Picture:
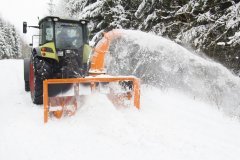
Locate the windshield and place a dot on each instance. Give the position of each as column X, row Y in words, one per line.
column 68, row 36
column 46, row 29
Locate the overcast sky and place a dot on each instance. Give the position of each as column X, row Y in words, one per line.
column 17, row 11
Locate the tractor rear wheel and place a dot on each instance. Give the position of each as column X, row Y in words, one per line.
column 40, row 70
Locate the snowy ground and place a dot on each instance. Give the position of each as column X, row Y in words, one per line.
column 169, row 125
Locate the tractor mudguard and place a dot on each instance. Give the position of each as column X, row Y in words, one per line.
column 26, row 69
column 46, row 51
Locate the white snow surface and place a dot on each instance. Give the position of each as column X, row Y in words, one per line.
column 170, row 125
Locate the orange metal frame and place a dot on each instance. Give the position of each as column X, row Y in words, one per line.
column 136, row 87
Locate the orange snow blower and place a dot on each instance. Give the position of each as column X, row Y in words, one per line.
column 57, row 74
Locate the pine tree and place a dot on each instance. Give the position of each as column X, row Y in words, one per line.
column 3, row 51
column 10, row 45
column 104, row 15
column 51, row 7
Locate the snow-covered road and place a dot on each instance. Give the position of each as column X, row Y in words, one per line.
column 170, row 125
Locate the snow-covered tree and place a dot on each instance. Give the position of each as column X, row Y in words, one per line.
column 3, row 49
column 104, row 15
column 205, row 25
column 51, row 7
column 10, row 45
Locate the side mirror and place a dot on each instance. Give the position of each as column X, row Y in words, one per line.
column 24, row 27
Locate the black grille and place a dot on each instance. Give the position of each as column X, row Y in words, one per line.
column 71, row 64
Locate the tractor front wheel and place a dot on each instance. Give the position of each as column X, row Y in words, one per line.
column 40, row 70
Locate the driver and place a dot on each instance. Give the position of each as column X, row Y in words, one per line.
column 63, row 39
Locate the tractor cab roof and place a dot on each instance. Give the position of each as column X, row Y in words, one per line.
column 56, row 19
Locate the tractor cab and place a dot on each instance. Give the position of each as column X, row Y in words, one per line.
column 65, row 43
column 66, row 34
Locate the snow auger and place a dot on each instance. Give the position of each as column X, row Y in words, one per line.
column 61, row 69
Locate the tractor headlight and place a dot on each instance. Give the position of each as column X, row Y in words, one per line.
column 60, row 53
column 68, row 51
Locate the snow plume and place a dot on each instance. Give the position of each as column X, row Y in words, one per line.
column 164, row 64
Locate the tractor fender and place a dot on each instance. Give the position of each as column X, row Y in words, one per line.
column 52, row 55
column 26, row 69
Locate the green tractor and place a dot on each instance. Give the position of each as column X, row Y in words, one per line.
column 62, row 52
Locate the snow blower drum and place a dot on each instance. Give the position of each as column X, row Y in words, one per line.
column 66, row 103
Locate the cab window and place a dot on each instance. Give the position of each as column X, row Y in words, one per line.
column 47, row 32
column 68, row 35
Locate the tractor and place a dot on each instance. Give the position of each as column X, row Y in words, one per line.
column 63, row 61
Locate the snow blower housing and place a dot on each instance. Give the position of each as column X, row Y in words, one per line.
column 60, row 68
